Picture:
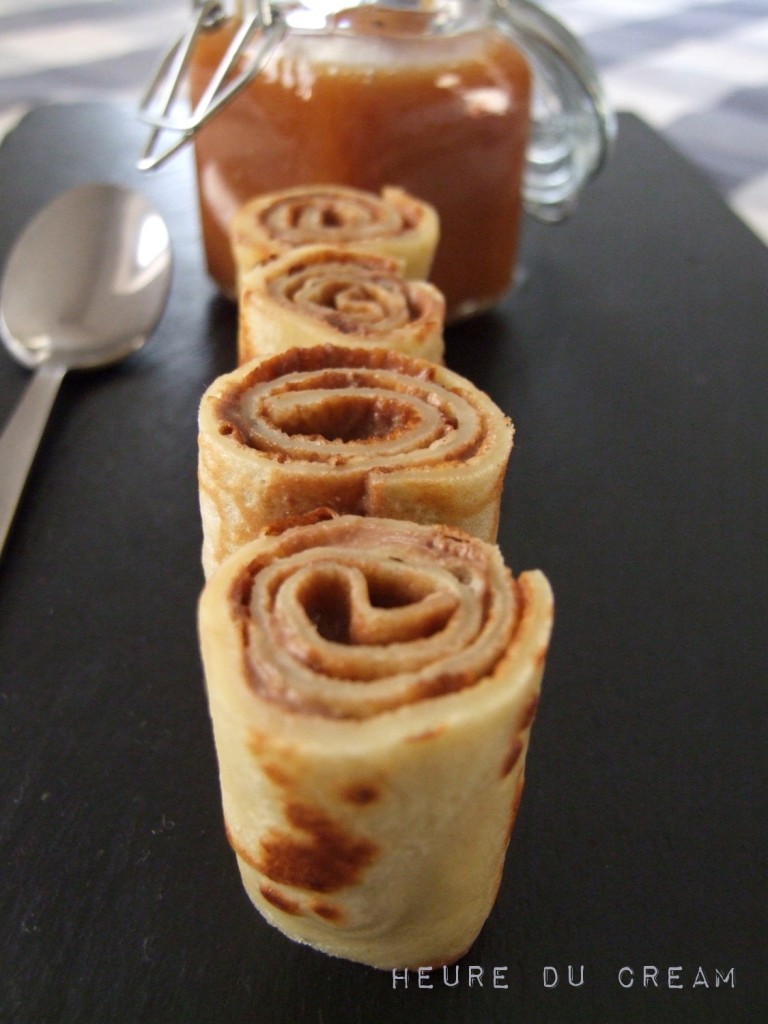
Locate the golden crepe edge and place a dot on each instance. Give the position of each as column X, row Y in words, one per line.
column 406, row 814
column 414, row 245
column 241, row 490
column 269, row 323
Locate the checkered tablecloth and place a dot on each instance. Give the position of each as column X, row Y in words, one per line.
column 697, row 70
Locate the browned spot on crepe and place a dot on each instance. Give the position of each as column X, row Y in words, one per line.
column 318, row 515
column 428, row 734
column 360, row 793
column 327, row 858
column 259, row 745
column 277, row 774
column 277, row 899
column 513, row 756
column 242, row 852
column 328, row 912
column 515, row 805
column 529, row 714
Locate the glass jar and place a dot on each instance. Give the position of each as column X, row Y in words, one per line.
column 480, row 107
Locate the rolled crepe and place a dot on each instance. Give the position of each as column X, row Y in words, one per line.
column 362, row 431
column 321, row 294
column 393, row 224
column 372, row 685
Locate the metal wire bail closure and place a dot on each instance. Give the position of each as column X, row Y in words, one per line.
column 165, row 90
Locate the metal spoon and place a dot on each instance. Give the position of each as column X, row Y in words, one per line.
column 84, row 286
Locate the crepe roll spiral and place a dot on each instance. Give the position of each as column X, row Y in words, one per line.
column 372, row 685
column 321, row 294
column 392, row 223
column 360, row 431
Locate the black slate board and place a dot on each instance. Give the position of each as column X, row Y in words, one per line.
column 634, row 361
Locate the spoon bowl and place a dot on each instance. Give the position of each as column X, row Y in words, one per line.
column 84, row 286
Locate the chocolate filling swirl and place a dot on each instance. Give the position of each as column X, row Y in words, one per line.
column 350, row 617
column 360, row 431
column 352, row 293
column 391, row 224
column 348, row 414
column 335, row 216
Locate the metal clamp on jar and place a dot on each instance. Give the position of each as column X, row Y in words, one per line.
column 480, row 107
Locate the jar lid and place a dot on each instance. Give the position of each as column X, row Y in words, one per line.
column 169, row 130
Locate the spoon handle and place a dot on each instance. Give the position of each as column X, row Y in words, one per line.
column 21, row 437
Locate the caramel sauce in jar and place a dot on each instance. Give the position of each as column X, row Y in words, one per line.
column 382, row 101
